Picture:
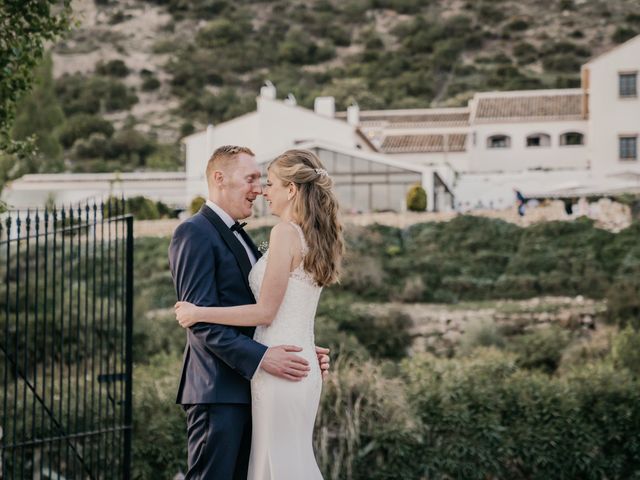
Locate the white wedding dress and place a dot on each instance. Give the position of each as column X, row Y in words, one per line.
column 284, row 412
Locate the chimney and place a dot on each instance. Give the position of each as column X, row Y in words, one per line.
column 353, row 115
column 325, row 106
column 209, row 139
column 290, row 100
column 268, row 91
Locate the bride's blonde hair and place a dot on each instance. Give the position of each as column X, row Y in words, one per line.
column 315, row 208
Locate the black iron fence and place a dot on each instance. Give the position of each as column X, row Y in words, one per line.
column 65, row 353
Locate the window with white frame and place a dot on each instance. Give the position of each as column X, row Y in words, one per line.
column 628, row 147
column 499, row 141
column 628, row 84
column 571, row 138
column 538, row 140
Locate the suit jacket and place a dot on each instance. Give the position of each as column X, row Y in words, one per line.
column 210, row 267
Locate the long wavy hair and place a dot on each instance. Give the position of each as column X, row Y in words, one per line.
column 315, row 208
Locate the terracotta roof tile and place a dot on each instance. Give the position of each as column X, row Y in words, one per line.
column 411, row 119
column 560, row 107
column 430, row 143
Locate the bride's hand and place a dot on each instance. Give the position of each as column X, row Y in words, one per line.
column 186, row 313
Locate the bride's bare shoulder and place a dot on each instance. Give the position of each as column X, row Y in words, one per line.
column 283, row 232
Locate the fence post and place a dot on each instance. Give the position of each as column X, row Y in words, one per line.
column 128, row 409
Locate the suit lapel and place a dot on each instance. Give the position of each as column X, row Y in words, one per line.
column 231, row 240
column 245, row 236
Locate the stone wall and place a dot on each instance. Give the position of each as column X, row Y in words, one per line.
column 439, row 328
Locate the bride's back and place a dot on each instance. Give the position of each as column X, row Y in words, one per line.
column 294, row 322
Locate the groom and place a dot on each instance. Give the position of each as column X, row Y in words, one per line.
column 210, row 256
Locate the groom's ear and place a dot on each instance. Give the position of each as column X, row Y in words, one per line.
column 218, row 177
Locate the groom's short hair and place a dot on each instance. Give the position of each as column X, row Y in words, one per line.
column 224, row 157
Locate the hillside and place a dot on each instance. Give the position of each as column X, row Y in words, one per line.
column 158, row 69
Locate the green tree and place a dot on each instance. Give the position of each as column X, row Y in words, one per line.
column 25, row 27
column 38, row 114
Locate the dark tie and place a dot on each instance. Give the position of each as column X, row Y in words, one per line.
column 238, row 227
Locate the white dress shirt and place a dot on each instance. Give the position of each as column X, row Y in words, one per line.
column 226, row 218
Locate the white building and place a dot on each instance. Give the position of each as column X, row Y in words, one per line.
column 545, row 143
column 610, row 83
column 38, row 190
column 365, row 179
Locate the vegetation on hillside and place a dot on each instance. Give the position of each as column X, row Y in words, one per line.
column 547, row 403
column 211, row 57
column 544, row 402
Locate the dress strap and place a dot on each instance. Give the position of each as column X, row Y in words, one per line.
column 303, row 242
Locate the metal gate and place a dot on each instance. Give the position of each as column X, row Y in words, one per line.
column 65, row 350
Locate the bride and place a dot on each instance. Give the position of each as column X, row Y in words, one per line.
column 305, row 250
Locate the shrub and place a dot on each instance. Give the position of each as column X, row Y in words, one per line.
column 142, row 208
column 625, row 349
column 364, row 275
column 150, row 83
column 518, row 25
column 364, row 428
column 82, row 126
column 223, row 31
column 299, row 49
column 113, row 68
column 416, row 199
column 481, row 334
column 561, row 63
column 525, row 53
column 80, row 94
column 117, row 96
column 489, row 13
column 623, row 301
column 567, row 5
column 413, row 290
column 165, row 157
column 482, row 417
column 131, row 146
column 187, row 128
column 196, row 204
column 96, row 146
column 383, row 335
column 541, row 349
column 633, row 18
column 622, row 34
column 159, row 443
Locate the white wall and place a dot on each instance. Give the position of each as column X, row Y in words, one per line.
column 274, row 127
column 33, row 191
column 199, row 147
column 458, row 160
column 518, row 156
column 281, row 126
column 610, row 115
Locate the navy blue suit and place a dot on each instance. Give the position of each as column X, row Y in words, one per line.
column 210, row 267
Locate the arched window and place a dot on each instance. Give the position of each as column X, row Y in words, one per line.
column 571, row 138
column 538, row 140
column 499, row 141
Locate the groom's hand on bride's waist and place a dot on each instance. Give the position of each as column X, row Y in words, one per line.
column 281, row 362
column 323, row 360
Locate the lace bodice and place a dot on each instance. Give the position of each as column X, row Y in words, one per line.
column 294, row 321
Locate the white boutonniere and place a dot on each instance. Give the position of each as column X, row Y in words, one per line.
column 263, row 247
